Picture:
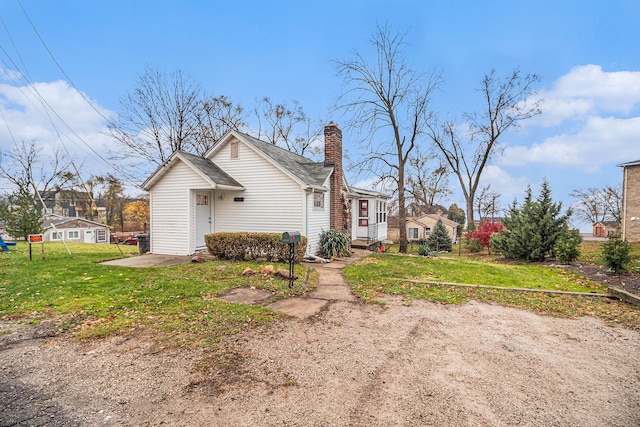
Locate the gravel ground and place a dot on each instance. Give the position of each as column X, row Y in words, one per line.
column 352, row 365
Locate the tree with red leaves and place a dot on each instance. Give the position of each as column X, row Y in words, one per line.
column 483, row 234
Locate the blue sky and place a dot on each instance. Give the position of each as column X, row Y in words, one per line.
column 587, row 53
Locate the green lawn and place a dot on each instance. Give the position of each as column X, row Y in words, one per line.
column 591, row 252
column 377, row 276
column 91, row 299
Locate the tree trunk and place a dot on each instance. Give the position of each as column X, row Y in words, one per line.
column 470, row 219
column 402, row 212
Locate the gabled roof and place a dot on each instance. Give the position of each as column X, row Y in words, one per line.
column 361, row 193
column 52, row 219
column 208, row 170
column 306, row 171
column 609, row 224
column 634, row 163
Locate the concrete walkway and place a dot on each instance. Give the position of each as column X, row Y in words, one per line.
column 331, row 287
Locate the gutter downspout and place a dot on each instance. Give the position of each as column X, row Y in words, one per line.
column 624, row 202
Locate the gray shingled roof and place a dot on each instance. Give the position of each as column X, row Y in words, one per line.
column 210, row 169
column 306, row 170
column 52, row 219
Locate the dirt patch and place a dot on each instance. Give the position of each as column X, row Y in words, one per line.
column 629, row 281
column 409, row 364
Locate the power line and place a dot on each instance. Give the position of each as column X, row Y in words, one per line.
column 29, row 82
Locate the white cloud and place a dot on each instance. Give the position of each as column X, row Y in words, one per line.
column 588, row 90
column 27, row 119
column 501, row 182
column 9, row 75
column 600, row 141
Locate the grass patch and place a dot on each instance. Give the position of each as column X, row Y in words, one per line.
column 376, row 276
column 94, row 300
column 591, row 253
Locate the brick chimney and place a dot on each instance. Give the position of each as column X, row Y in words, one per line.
column 333, row 157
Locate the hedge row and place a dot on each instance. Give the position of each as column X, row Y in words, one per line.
column 252, row 246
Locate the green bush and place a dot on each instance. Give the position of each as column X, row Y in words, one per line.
column 333, row 244
column 424, row 250
column 616, row 254
column 567, row 247
column 473, row 245
column 242, row 246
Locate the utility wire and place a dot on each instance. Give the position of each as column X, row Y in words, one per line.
column 33, row 184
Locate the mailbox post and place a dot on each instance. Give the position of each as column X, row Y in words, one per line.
column 291, row 238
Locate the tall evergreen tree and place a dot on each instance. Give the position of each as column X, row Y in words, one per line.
column 20, row 214
column 439, row 239
column 533, row 230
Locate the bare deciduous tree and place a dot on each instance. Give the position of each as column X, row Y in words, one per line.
column 508, row 101
column 599, row 204
column 388, row 101
column 287, row 126
column 158, row 117
column 215, row 116
column 427, row 181
column 21, row 166
column 487, row 203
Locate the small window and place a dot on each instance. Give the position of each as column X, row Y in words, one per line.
column 234, row 149
column 65, row 212
column 413, row 233
column 318, row 200
column 56, row 235
column 202, row 200
column 102, row 235
column 73, row 234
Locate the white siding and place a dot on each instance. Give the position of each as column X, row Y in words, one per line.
column 318, row 220
column 172, row 218
column 272, row 200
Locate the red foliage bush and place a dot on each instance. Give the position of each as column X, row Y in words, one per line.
column 484, row 232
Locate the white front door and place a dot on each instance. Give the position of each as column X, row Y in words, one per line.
column 88, row 236
column 203, row 216
column 363, row 219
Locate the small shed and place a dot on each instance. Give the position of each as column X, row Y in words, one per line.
column 606, row 228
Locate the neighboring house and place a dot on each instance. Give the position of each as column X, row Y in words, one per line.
column 605, row 228
column 393, row 228
column 245, row 184
column 631, row 201
column 68, row 203
column 57, row 228
column 419, row 228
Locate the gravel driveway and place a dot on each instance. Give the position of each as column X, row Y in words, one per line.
column 353, row 364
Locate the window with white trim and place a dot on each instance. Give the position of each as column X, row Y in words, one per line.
column 318, row 200
column 102, row 235
column 56, row 235
column 413, row 233
column 73, row 234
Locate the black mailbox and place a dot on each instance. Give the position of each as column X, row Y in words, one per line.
column 291, row 237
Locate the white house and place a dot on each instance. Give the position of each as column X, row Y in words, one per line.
column 245, row 184
column 57, row 228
